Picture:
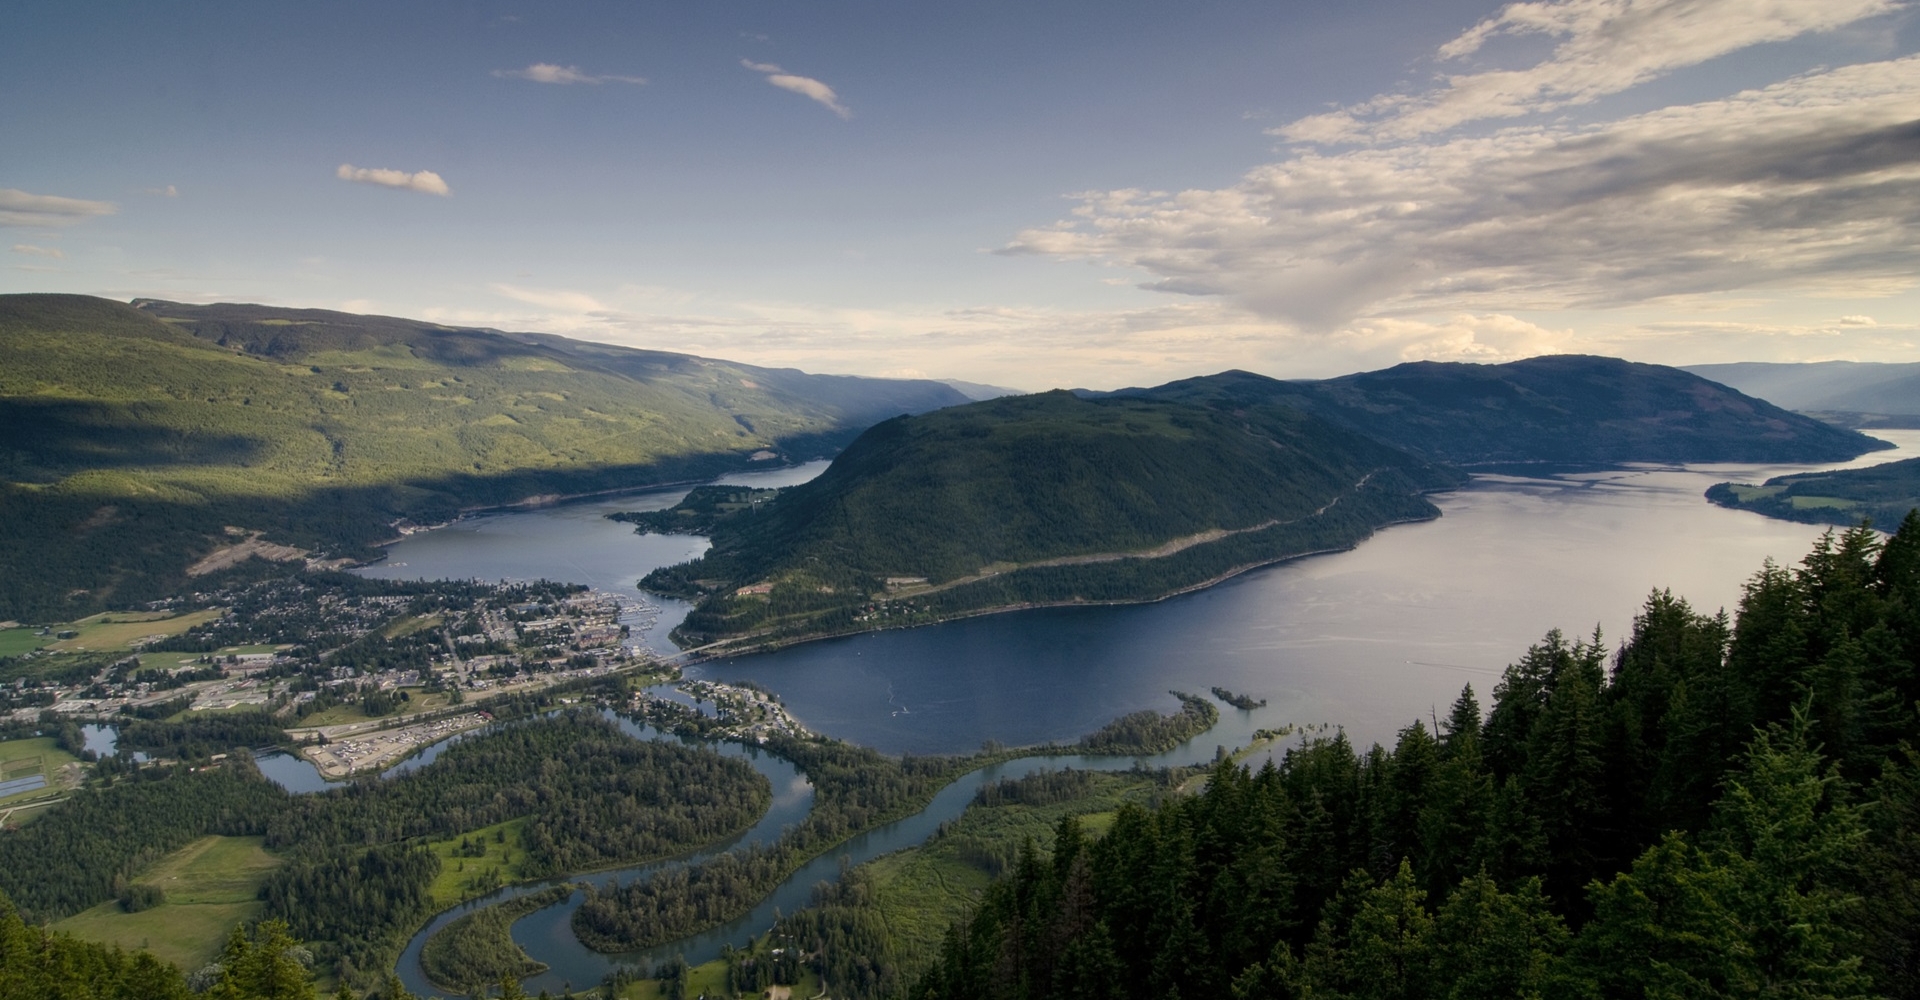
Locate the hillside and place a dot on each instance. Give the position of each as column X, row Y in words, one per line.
column 1564, row 408
column 1039, row 499
column 1883, row 493
column 1857, row 394
column 132, row 438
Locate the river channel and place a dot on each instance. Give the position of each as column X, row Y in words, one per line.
column 1367, row 640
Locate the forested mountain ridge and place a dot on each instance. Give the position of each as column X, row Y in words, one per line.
column 131, row 437
column 1039, row 499
column 1556, row 408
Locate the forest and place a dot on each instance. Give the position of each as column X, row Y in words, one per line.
column 1726, row 806
column 1033, row 499
column 359, row 877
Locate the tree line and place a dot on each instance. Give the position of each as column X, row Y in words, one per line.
column 1725, row 807
column 359, row 878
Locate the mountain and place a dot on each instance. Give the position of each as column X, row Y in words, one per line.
column 977, row 391
column 1038, row 499
column 1882, row 493
column 136, row 439
column 1828, row 387
column 1561, row 408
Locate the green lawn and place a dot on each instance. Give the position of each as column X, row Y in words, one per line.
column 463, row 878
column 210, row 885
column 337, row 715
column 14, row 641
column 1809, row 503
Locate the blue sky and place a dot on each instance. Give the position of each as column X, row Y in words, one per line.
column 1095, row 194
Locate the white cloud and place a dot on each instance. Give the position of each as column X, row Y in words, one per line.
column 166, row 192
column 34, row 251
column 557, row 299
column 803, row 85
column 18, row 208
column 551, row 73
column 1857, row 321
column 425, row 181
column 1810, row 185
column 1605, row 47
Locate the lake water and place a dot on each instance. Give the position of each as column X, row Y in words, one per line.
column 1368, row 639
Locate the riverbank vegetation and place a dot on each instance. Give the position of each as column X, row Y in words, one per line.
column 1243, row 702
column 876, row 929
column 1149, row 732
column 475, row 951
column 360, row 874
column 1727, row 807
column 1882, row 494
column 856, row 789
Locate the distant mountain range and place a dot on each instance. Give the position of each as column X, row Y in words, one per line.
column 1559, row 408
column 1133, row 495
column 132, row 437
column 1828, row 387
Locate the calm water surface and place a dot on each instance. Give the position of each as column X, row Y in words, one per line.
column 1368, row 639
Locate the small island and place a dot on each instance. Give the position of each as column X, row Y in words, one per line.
column 1245, row 703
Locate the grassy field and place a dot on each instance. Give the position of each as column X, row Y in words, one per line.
column 408, row 626
column 711, row 980
column 210, row 886
column 459, row 876
column 28, row 757
column 14, row 641
column 118, row 630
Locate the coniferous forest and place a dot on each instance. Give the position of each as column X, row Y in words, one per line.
column 1721, row 808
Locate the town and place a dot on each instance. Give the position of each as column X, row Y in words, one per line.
column 326, row 655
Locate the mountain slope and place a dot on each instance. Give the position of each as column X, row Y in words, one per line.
column 1564, row 408
column 1827, row 386
column 1041, row 499
column 131, row 438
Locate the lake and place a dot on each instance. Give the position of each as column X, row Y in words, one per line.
column 1368, row 639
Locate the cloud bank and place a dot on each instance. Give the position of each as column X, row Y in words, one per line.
column 803, row 85
column 34, row 251
column 1605, row 47
column 1811, row 185
column 424, row 181
column 19, row 208
column 551, row 73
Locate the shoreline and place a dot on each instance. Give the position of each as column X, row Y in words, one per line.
column 696, row 654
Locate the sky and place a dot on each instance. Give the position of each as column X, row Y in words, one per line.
column 1073, row 193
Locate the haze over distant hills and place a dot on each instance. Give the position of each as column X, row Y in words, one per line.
column 132, row 437
column 1825, row 386
column 1558, row 408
